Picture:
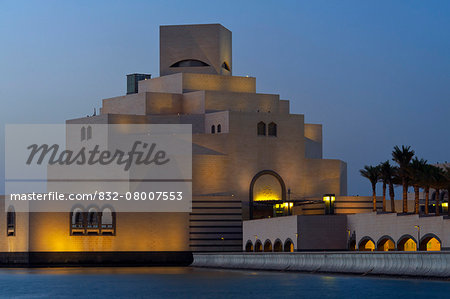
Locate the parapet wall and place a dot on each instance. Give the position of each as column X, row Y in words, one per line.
column 422, row 264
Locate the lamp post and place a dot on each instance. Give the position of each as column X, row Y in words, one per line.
column 418, row 237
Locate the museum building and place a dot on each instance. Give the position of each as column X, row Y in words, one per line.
column 252, row 159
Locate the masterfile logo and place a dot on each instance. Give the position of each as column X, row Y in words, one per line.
column 135, row 168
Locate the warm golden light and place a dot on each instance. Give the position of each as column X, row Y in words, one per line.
column 370, row 246
column 433, row 245
column 410, row 245
column 267, row 188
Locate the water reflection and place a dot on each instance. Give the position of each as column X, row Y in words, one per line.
column 185, row 282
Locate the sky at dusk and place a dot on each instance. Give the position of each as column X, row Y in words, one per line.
column 374, row 73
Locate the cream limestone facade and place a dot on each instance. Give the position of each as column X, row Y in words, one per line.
column 241, row 139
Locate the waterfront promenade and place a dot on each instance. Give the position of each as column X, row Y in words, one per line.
column 419, row 264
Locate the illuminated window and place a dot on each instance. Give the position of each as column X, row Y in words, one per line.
column 272, row 129
column 366, row 245
column 407, row 244
column 261, row 129
column 433, row 245
column 386, row 244
column 213, row 129
column 430, row 243
column 11, row 222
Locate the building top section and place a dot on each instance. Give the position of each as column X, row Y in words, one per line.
column 202, row 49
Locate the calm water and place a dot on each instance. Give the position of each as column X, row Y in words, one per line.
column 203, row 283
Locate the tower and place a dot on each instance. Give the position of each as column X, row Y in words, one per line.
column 195, row 49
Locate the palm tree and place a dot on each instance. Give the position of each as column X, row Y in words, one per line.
column 387, row 172
column 439, row 182
column 416, row 173
column 425, row 182
column 403, row 158
column 372, row 173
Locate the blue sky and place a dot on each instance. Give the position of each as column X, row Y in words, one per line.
column 374, row 73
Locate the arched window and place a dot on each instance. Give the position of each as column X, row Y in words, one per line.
column 77, row 222
column 83, row 133
column 261, row 129
column 189, row 63
column 249, row 246
column 278, row 246
column 11, row 222
column 258, row 246
column 89, row 132
column 288, row 246
column 272, row 129
column 213, row 129
column 267, row 246
column 108, row 222
column 407, row 243
column 385, row 243
column 430, row 242
column 366, row 244
column 92, row 218
column 219, row 128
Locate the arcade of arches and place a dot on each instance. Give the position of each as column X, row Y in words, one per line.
column 429, row 242
column 278, row 246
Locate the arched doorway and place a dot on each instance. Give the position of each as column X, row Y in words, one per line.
column 288, row 246
column 258, row 246
column 386, row 243
column 267, row 246
column 430, row 242
column 407, row 243
column 366, row 244
column 278, row 246
column 266, row 189
column 249, row 246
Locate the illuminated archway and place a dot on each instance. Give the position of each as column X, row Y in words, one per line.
column 385, row 243
column 430, row 242
column 249, row 246
column 266, row 186
column 277, row 246
column 366, row 244
column 288, row 246
column 267, row 246
column 407, row 243
column 258, row 246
